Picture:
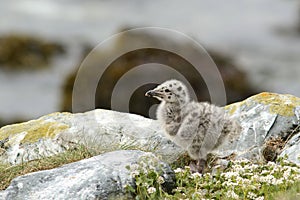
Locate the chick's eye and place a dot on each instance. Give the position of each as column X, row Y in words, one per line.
column 167, row 90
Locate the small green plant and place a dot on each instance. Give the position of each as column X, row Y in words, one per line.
column 147, row 174
column 241, row 180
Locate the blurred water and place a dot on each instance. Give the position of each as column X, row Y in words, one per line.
column 247, row 30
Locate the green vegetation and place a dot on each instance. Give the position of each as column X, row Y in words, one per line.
column 241, row 180
column 290, row 194
column 8, row 172
column 148, row 179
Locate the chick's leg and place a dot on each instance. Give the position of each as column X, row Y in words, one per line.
column 201, row 165
column 198, row 167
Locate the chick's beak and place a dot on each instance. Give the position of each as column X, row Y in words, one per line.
column 151, row 93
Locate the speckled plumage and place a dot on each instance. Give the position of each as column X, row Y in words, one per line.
column 197, row 127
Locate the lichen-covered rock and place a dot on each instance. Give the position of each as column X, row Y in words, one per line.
column 102, row 130
column 99, row 177
column 30, row 140
column 270, row 122
column 267, row 119
column 292, row 148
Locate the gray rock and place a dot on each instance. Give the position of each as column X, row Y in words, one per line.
column 100, row 130
column 263, row 117
column 292, row 149
column 99, row 177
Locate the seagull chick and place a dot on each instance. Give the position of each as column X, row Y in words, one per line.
column 197, row 127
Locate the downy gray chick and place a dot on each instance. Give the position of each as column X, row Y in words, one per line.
column 197, row 127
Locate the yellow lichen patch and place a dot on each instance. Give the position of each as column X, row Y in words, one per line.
column 232, row 108
column 279, row 104
column 35, row 130
column 48, row 130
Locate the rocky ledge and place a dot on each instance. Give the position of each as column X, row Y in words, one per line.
column 100, row 177
column 271, row 129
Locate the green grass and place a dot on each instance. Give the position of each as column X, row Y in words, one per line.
column 9, row 172
column 292, row 193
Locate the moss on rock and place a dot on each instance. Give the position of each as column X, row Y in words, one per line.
column 31, row 131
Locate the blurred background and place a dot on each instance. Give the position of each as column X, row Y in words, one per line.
column 255, row 44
